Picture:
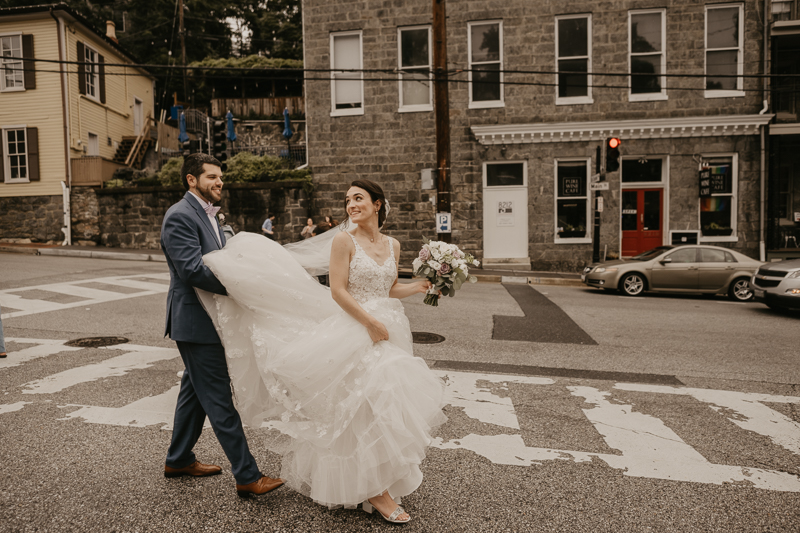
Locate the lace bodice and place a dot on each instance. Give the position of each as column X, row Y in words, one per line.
column 367, row 279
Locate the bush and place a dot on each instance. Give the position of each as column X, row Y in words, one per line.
column 170, row 173
column 130, row 177
column 247, row 167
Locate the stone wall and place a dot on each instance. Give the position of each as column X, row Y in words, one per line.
column 37, row 219
column 132, row 217
column 391, row 148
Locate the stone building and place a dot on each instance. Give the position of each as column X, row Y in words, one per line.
column 535, row 87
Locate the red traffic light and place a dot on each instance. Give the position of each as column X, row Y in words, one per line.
column 613, row 142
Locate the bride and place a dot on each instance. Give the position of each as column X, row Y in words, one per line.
column 331, row 371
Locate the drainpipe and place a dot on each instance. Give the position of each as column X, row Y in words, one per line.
column 762, row 245
column 65, row 187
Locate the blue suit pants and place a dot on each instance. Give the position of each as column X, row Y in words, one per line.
column 206, row 391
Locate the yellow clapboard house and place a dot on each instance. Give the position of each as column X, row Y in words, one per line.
column 70, row 102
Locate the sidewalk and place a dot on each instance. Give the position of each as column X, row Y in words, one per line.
column 125, row 254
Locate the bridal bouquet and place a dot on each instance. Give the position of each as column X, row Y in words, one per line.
column 445, row 266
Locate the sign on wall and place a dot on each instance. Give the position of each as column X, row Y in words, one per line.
column 505, row 213
column 443, row 223
column 715, row 180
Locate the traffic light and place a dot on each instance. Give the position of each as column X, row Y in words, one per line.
column 190, row 147
column 612, row 154
column 218, row 146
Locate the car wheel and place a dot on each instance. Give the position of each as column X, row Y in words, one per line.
column 740, row 290
column 632, row 284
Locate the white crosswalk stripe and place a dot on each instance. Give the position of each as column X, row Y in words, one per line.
column 647, row 447
column 148, row 284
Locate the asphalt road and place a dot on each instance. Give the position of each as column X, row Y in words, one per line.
column 541, row 435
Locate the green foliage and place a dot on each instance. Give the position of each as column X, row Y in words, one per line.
column 129, row 177
column 249, row 62
column 170, row 173
column 245, row 167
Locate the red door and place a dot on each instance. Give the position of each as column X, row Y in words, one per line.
column 641, row 220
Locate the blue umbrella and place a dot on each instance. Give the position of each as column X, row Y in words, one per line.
column 231, row 129
column 182, row 136
column 287, row 131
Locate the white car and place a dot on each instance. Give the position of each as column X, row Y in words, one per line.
column 778, row 284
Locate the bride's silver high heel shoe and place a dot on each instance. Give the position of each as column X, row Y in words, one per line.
column 368, row 507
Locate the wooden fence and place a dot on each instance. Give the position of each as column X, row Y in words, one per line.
column 92, row 171
column 245, row 107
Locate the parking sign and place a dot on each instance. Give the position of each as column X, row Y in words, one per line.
column 442, row 222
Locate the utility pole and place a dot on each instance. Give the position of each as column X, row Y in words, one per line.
column 181, row 33
column 441, row 106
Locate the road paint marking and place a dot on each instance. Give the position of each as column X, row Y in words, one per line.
column 649, row 449
column 480, row 403
column 12, row 407
column 140, row 357
column 92, row 296
column 43, row 348
column 753, row 415
column 156, row 410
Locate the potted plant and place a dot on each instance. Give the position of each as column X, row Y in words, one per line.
column 715, row 230
column 571, row 232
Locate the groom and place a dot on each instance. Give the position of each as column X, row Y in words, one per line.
column 189, row 231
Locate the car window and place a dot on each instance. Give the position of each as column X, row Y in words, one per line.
column 687, row 255
column 651, row 254
column 711, row 255
column 729, row 258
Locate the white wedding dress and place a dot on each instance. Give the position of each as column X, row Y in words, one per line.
column 352, row 418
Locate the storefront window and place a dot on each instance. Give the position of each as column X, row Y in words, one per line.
column 505, row 174
column 717, row 217
column 572, row 199
column 641, row 170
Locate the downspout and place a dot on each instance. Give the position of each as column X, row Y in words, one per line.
column 66, row 188
column 762, row 245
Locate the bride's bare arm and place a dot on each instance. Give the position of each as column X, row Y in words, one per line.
column 404, row 290
column 342, row 250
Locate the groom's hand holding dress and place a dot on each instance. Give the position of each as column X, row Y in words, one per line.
column 188, row 232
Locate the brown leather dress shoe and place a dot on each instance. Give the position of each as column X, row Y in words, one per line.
column 196, row 469
column 257, row 488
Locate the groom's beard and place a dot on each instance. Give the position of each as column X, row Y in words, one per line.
column 207, row 194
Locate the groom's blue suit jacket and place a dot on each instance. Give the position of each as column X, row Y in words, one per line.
column 186, row 235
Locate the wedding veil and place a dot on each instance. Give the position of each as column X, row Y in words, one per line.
column 314, row 254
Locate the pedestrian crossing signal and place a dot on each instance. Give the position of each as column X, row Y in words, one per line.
column 612, row 154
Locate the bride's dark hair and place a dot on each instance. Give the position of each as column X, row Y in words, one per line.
column 375, row 193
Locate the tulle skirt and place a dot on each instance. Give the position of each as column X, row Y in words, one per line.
column 351, row 418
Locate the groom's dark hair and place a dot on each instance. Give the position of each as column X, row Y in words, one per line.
column 193, row 164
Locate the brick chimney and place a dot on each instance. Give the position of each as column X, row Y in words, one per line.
column 111, row 30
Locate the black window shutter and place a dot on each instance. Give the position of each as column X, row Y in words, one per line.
column 2, row 159
column 81, row 69
column 102, row 64
column 27, row 63
column 32, row 144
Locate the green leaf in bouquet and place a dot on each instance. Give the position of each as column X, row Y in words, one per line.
column 473, row 279
column 457, row 284
column 445, row 291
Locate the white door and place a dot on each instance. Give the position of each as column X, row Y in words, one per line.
column 138, row 116
column 94, row 145
column 505, row 211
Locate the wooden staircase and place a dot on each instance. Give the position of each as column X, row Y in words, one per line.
column 131, row 150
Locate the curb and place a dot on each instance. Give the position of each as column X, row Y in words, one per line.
column 98, row 254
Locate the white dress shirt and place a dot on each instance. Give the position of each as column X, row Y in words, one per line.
column 213, row 220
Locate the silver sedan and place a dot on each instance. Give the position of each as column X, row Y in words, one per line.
column 693, row 268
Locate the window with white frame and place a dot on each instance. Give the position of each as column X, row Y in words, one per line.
column 647, row 59
column 485, row 63
column 347, row 88
column 724, row 28
column 718, row 210
column 92, row 72
column 414, row 61
column 574, row 59
column 15, row 150
column 11, row 63
column 572, row 200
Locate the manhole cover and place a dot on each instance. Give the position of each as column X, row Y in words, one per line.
column 420, row 337
column 96, row 342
